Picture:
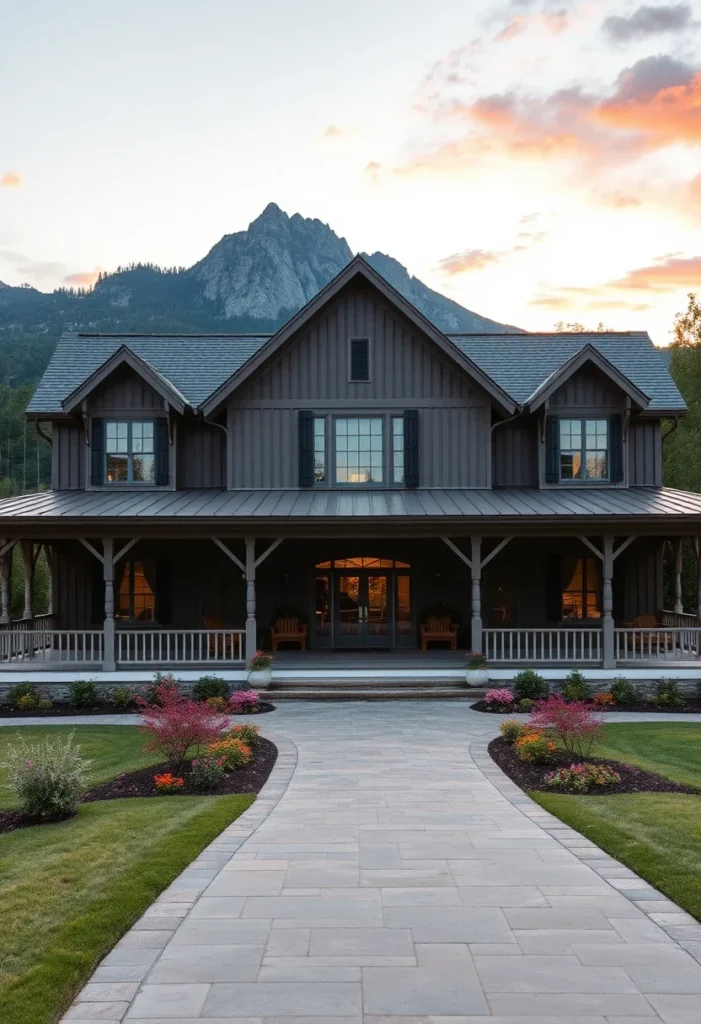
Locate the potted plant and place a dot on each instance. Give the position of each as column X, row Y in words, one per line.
column 476, row 673
column 260, row 669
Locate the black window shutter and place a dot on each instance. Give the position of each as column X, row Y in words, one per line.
column 553, row 588
column 616, row 443
column 162, row 453
column 411, row 447
column 360, row 359
column 552, row 450
column 97, row 452
column 97, row 596
column 164, row 592
column 305, row 419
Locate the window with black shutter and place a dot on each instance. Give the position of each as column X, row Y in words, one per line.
column 411, row 447
column 359, row 359
column 305, row 427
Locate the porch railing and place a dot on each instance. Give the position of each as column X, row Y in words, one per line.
column 49, row 647
column 672, row 644
column 685, row 619
column 47, row 620
column 168, row 646
column 559, row 645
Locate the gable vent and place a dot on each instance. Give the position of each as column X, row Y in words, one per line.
column 359, row 359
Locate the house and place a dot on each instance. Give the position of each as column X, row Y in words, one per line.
column 358, row 470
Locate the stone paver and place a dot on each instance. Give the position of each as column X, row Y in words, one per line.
column 396, row 876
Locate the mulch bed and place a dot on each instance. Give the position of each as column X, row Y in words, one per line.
column 691, row 706
column 532, row 776
column 61, row 709
column 249, row 779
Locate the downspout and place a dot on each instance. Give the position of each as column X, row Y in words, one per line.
column 502, row 423
column 40, row 432
column 671, row 430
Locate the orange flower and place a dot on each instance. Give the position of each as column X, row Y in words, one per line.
column 604, row 699
column 168, row 781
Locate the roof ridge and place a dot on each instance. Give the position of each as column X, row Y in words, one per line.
column 170, row 337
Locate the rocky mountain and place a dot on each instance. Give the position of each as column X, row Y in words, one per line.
column 250, row 281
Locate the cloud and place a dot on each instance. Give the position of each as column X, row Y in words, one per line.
column 647, row 21
column 372, row 169
column 332, row 132
column 467, row 260
column 554, row 21
column 45, row 272
column 10, row 179
column 82, row 279
column 658, row 98
column 668, row 274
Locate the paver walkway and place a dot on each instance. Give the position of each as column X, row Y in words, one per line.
column 400, row 879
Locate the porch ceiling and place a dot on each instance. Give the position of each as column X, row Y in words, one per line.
column 421, row 512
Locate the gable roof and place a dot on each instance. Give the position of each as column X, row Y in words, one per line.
column 358, row 268
column 125, row 357
column 520, row 363
column 587, row 354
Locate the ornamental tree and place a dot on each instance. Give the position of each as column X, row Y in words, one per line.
column 176, row 724
column 572, row 722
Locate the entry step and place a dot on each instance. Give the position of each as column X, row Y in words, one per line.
column 339, row 691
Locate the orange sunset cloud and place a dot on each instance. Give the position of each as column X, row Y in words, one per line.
column 10, row 179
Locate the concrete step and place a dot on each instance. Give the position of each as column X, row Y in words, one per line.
column 364, row 682
column 341, row 692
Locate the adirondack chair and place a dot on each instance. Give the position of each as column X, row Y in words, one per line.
column 638, row 641
column 288, row 629
column 219, row 646
column 439, row 630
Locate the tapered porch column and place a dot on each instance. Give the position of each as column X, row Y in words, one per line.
column 678, row 561
column 109, row 664
column 250, row 597
column 476, row 577
column 5, row 575
column 607, row 622
column 27, row 549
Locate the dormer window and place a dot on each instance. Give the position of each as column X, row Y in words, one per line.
column 359, row 360
column 129, row 451
column 584, row 449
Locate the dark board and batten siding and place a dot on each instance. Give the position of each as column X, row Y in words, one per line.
column 201, row 455
column 407, row 371
column 67, row 457
column 125, row 391
column 587, row 389
column 645, row 454
column 515, row 454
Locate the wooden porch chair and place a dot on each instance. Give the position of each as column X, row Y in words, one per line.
column 638, row 640
column 288, row 629
column 439, row 630
column 219, row 646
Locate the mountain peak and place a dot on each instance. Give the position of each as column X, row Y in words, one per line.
column 272, row 212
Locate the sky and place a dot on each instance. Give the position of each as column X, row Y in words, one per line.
column 535, row 160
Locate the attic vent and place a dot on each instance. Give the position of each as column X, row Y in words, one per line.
column 359, row 359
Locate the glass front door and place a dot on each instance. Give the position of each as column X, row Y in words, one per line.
column 364, row 610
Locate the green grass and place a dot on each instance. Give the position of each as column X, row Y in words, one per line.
column 657, row 835
column 70, row 890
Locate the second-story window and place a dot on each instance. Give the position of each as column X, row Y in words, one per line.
column 398, row 449
column 584, row 449
column 359, row 453
column 359, row 360
column 129, row 451
column 319, row 449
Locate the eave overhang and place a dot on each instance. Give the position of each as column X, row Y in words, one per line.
column 588, row 354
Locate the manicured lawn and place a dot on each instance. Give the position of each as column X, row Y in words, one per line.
column 68, row 891
column 656, row 835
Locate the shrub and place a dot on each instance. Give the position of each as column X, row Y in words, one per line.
column 535, row 748
column 175, row 725
column 669, row 694
column 604, row 700
column 207, row 772
column 623, row 692
column 154, row 692
column 168, row 783
column 83, row 694
column 46, row 777
column 499, row 699
column 244, row 702
column 525, row 705
column 33, row 702
column 511, row 730
column 217, row 703
column 210, row 686
column 123, row 697
column 235, row 752
column 260, row 661
column 580, row 778
column 248, row 734
column 576, row 687
column 476, row 660
column 529, row 684
column 573, row 723
column 28, row 690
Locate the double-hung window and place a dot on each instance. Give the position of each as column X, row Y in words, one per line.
column 584, row 449
column 581, row 591
column 136, row 600
column 359, row 449
column 129, row 451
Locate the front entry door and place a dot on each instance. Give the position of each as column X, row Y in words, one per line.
column 364, row 613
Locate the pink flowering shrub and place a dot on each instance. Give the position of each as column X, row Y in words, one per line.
column 175, row 724
column 499, row 699
column 580, row 778
column 574, row 723
column 243, row 702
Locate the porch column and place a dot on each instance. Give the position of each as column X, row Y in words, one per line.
column 607, row 622
column 5, row 575
column 49, row 552
column 108, row 664
column 697, row 549
column 27, row 549
column 475, row 573
column 250, row 597
column 678, row 558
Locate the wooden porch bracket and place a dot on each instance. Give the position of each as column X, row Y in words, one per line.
column 615, row 553
column 476, row 564
column 91, row 549
column 608, row 556
column 248, row 568
column 230, row 554
column 127, row 547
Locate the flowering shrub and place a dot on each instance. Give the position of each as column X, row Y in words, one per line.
column 573, row 723
column 535, row 748
column 234, row 752
column 604, row 700
column 243, row 702
column 207, row 772
column 247, row 733
column 476, row 660
column 154, row 692
column 46, row 777
column 260, row 660
column 511, row 730
column 207, row 687
column 623, row 692
column 217, row 703
column 499, row 699
column 168, row 783
column 580, row 778
column 530, row 685
column 176, row 724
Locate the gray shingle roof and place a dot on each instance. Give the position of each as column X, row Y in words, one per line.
column 519, row 363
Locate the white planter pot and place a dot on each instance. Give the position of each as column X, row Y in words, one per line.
column 476, row 676
column 260, row 678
